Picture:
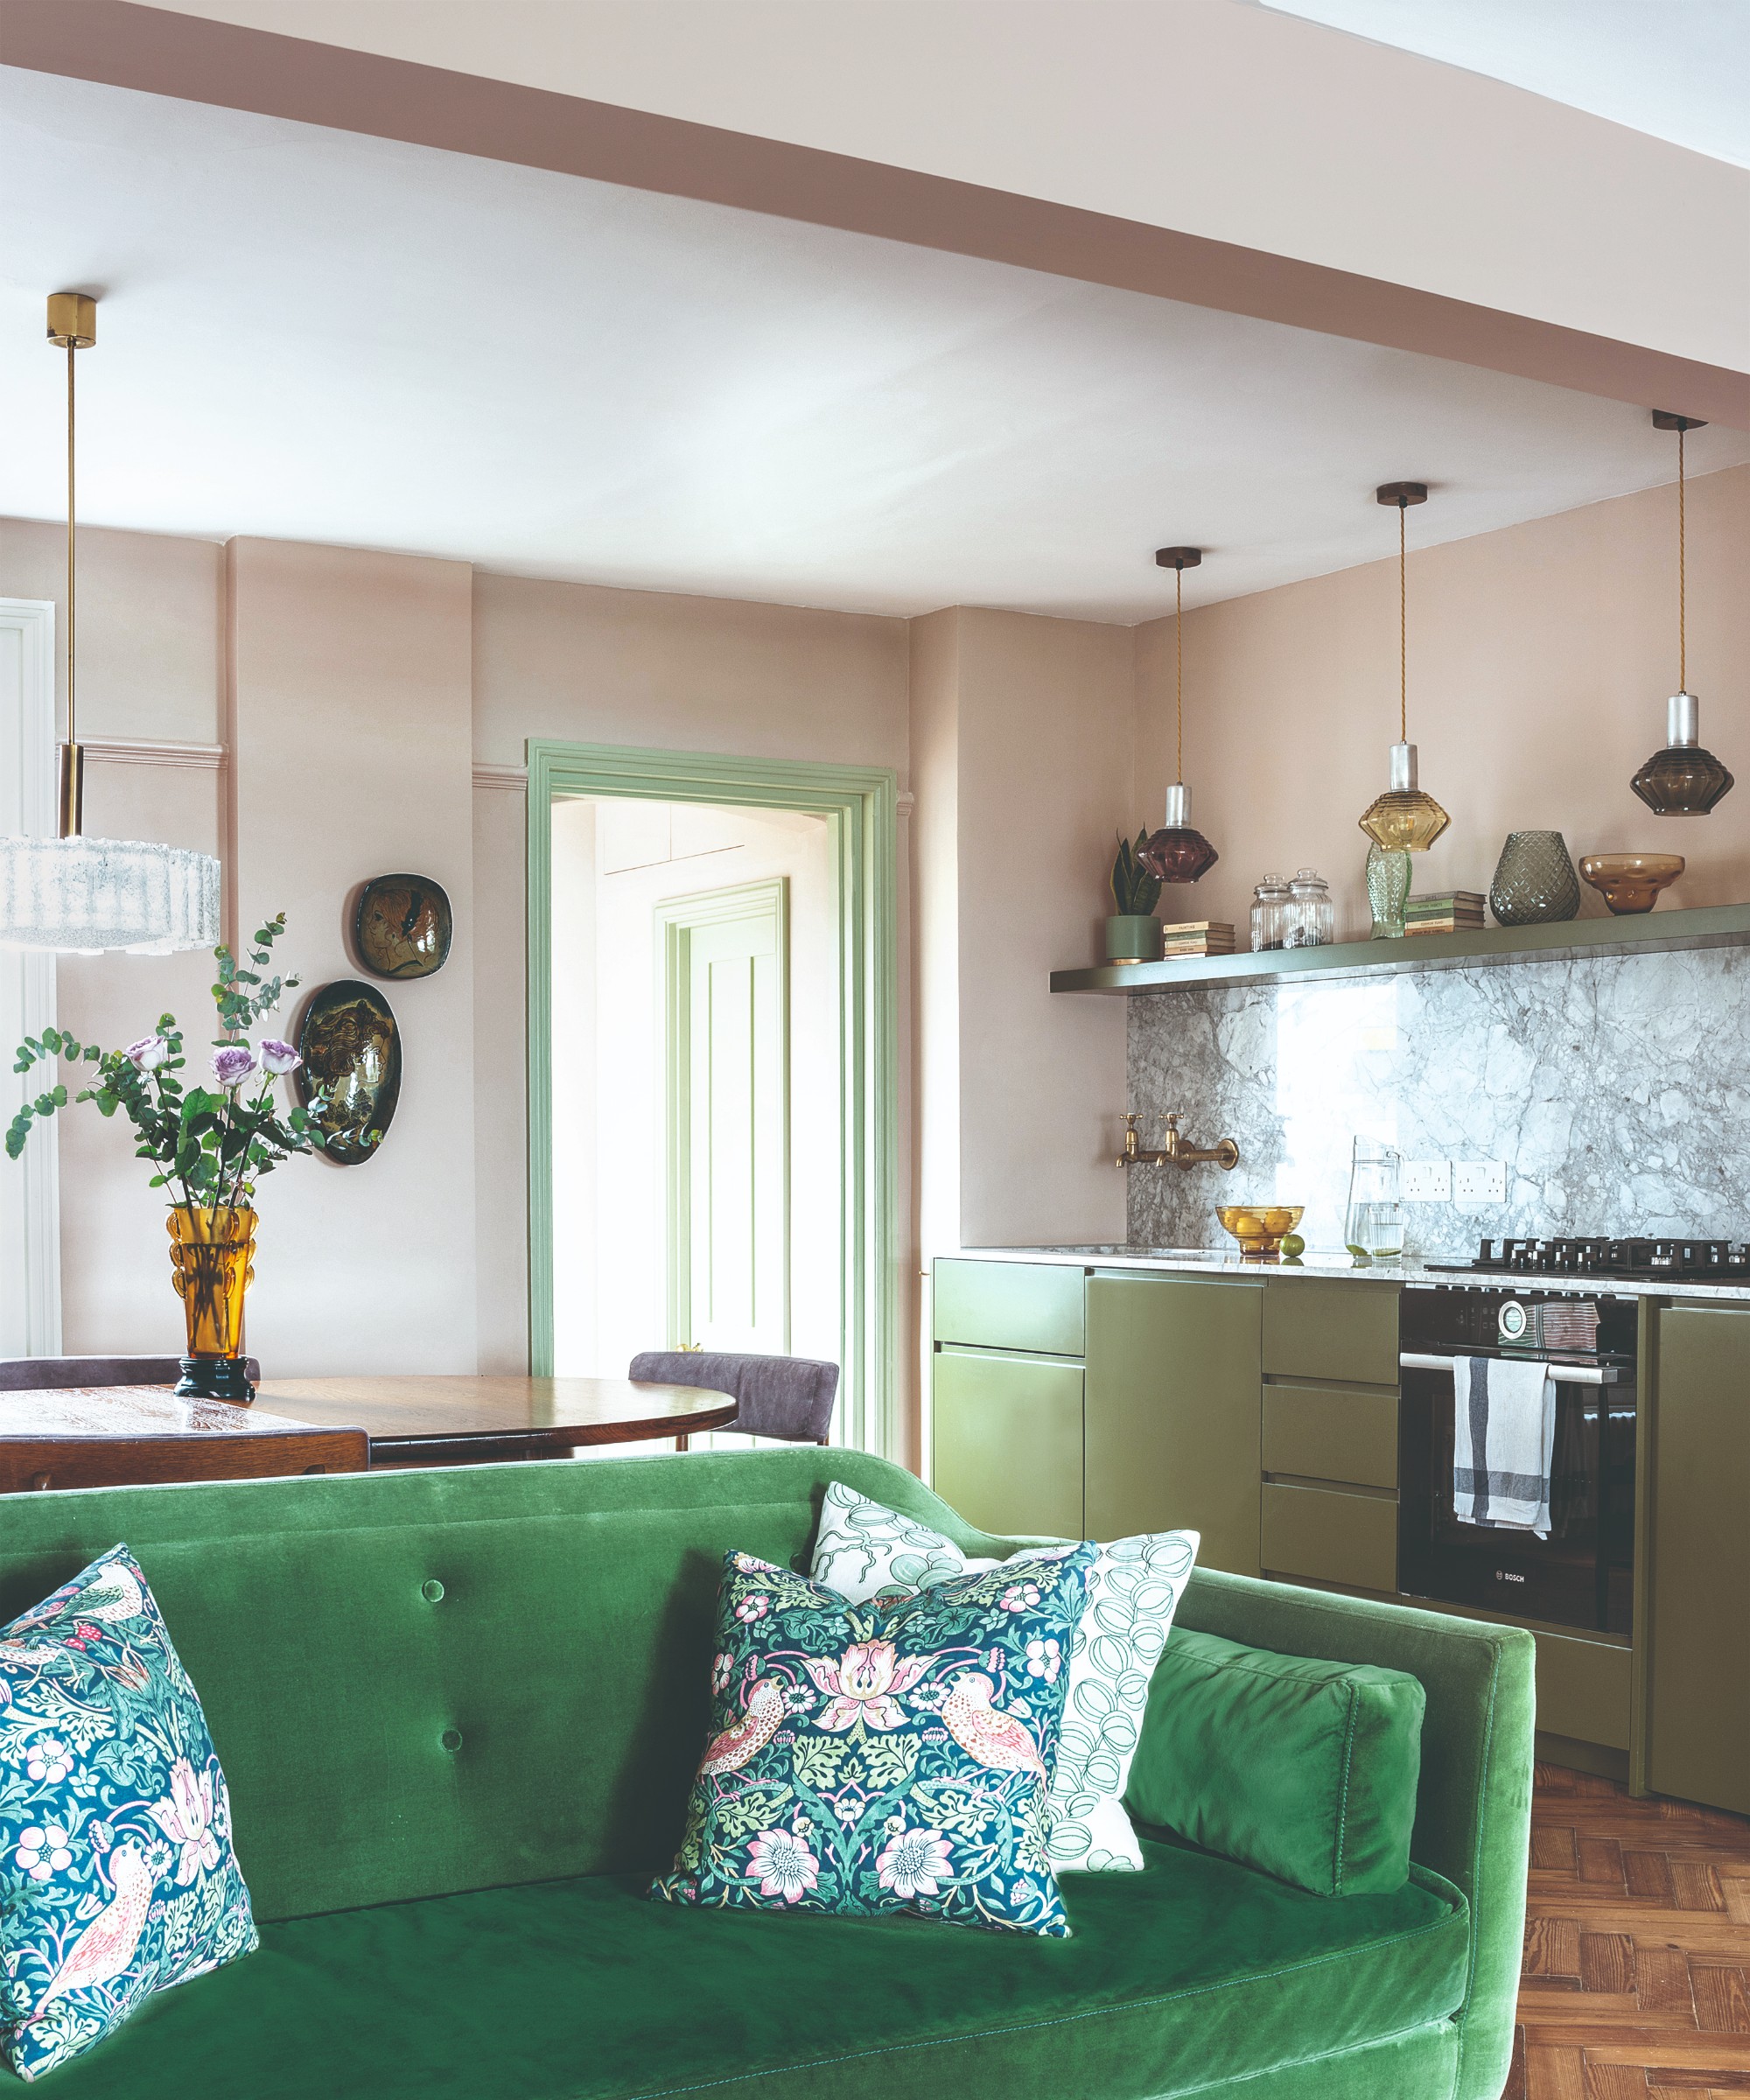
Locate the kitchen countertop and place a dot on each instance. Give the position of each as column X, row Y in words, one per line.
column 1327, row 1263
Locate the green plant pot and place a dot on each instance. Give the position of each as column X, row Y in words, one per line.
column 1133, row 938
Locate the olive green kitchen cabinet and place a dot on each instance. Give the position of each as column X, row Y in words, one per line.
column 1171, row 1415
column 1008, row 1441
column 1699, row 1565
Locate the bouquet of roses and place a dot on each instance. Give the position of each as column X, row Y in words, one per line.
column 209, row 1144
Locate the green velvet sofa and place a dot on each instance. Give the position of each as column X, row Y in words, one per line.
column 460, row 1711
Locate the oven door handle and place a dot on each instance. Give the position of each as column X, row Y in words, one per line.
column 1564, row 1373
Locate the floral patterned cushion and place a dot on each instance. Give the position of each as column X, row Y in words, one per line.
column 865, row 1550
column 863, row 1759
column 117, row 1873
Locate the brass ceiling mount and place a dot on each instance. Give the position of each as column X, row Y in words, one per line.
column 73, row 320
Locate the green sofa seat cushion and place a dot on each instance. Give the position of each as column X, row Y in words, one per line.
column 1193, row 1971
column 1306, row 1769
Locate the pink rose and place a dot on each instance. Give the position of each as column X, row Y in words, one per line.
column 233, row 1064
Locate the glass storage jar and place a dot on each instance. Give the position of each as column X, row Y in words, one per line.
column 1270, row 906
column 1309, row 921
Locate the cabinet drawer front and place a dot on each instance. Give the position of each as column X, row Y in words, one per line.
column 1330, row 1537
column 1009, row 1305
column 1315, row 1329
column 1007, row 1443
column 1331, row 1436
column 1583, row 1690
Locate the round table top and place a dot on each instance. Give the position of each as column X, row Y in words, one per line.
column 558, row 1412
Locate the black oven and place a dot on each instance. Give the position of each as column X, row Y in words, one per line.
column 1582, row 1574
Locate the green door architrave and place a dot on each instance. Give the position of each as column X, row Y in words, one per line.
column 724, row 969
column 859, row 805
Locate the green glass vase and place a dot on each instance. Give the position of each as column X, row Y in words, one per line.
column 1388, row 881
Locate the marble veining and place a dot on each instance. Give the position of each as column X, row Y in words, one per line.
column 1616, row 1090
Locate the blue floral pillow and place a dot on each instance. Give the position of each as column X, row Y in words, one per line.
column 868, row 1758
column 117, row 1873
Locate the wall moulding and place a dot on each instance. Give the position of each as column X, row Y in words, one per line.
column 514, row 779
column 143, row 751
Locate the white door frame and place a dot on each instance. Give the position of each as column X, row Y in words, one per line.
column 29, row 1199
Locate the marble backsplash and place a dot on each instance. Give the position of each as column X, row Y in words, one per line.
column 1616, row 1091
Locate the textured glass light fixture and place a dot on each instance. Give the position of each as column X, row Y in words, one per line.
column 1403, row 819
column 1176, row 853
column 1682, row 779
column 93, row 895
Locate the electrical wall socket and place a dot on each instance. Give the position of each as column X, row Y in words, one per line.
column 1427, row 1180
column 1479, row 1181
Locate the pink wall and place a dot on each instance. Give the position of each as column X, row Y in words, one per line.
column 1540, row 660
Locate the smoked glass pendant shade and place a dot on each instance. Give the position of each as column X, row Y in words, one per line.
column 1403, row 819
column 1682, row 779
column 1176, row 852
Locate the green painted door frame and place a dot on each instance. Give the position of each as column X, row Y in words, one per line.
column 859, row 804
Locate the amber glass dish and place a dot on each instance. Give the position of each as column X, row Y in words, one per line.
column 1631, row 882
column 1260, row 1228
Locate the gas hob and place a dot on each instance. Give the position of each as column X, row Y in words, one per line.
column 1633, row 1261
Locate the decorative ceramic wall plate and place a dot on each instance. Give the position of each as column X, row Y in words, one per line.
column 404, row 926
column 351, row 1048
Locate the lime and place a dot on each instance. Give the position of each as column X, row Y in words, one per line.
column 1293, row 1244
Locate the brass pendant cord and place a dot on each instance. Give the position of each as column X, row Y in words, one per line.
column 1682, row 577
column 71, row 728
column 1402, row 632
column 1179, row 646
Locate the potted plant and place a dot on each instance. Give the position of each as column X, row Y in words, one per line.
column 209, row 1144
column 1134, row 934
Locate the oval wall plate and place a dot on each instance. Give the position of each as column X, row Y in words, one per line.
column 351, row 1048
column 404, row 926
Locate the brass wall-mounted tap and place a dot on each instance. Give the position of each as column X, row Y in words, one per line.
column 1175, row 1152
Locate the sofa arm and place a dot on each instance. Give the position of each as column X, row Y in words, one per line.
column 1473, row 1804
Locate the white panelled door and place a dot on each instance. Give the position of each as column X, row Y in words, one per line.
column 726, row 974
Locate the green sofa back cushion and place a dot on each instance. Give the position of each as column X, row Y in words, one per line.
column 1303, row 1768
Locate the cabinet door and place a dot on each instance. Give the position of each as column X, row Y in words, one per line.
column 1173, row 1413
column 1007, row 1441
column 1698, row 1718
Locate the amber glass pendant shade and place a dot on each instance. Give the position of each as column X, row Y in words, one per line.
column 1682, row 779
column 1403, row 819
column 1176, row 852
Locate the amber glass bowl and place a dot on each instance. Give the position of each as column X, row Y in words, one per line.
column 1260, row 1228
column 1631, row 882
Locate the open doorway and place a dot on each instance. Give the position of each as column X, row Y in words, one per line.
column 711, row 1148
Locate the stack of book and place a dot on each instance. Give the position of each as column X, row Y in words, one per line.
column 1200, row 937
column 1453, row 912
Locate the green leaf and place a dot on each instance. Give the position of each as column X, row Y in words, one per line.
column 91, row 1054
column 45, row 1104
column 59, row 1097
column 52, row 1040
column 107, row 1104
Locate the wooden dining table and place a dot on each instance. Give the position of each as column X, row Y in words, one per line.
column 463, row 1421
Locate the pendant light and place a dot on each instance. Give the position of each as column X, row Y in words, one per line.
column 1176, row 853
column 90, row 896
column 1403, row 819
column 1682, row 779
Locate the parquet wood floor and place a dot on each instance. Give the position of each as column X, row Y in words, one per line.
column 1636, row 1980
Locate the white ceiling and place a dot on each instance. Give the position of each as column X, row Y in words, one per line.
column 1676, row 69
column 312, row 335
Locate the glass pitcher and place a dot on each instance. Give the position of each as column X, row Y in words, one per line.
column 1373, row 1227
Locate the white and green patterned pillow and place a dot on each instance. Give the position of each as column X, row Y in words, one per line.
column 867, row 1552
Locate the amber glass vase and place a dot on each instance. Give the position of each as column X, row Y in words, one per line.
column 213, row 1254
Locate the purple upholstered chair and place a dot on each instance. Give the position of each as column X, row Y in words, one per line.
column 787, row 1398
column 55, row 1374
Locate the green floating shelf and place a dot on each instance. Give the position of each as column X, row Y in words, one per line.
column 1717, row 926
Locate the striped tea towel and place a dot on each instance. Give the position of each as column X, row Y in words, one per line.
column 1503, row 1439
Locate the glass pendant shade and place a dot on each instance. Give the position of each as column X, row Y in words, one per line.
column 1176, row 853
column 87, row 896
column 1682, row 779
column 1403, row 819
